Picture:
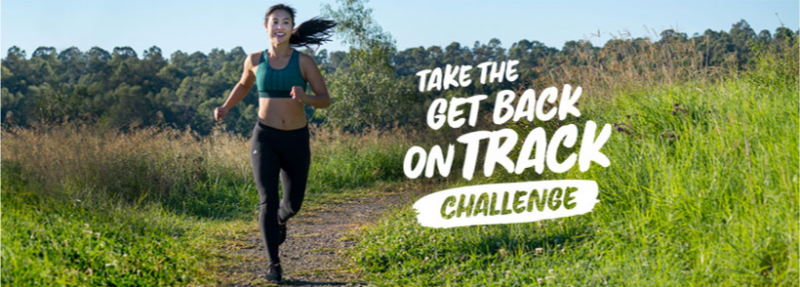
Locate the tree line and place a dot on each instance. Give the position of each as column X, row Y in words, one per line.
column 372, row 84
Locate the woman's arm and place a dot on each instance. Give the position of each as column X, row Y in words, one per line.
column 311, row 73
column 239, row 91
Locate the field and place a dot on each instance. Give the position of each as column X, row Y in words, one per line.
column 702, row 190
column 87, row 206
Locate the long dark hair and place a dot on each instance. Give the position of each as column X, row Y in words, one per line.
column 315, row 31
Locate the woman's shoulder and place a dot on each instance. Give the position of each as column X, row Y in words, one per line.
column 253, row 58
column 304, row 58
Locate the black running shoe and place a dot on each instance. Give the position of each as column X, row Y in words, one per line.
column 281, row 232
column 274, row 273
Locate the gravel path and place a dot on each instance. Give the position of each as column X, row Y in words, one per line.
column 314, row 253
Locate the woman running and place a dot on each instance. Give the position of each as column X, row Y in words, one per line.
column 280, row 141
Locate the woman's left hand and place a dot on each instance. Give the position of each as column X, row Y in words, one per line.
column 298, row 94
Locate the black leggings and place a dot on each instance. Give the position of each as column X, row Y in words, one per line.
column 274, row 152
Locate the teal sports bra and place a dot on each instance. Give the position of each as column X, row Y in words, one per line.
column 277, row 83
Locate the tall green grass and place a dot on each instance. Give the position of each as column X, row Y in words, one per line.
column 350, row 161
column 702, row 190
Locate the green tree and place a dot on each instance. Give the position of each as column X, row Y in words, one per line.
column 365, row 92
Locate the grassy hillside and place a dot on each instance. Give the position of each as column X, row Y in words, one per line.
column 702, row 190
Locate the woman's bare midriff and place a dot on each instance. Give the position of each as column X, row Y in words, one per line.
column 281, row 113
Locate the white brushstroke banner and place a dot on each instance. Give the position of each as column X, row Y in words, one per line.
column 505, row 203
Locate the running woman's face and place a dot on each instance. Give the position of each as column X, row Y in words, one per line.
column 279, row 26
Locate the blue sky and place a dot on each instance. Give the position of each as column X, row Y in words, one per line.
column 203, row 25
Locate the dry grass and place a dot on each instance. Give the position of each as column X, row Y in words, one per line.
column 627, row 63
column 128, row 164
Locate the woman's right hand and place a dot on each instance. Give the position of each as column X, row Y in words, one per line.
column 220, row 113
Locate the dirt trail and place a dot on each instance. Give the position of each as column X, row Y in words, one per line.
column 315, row 251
